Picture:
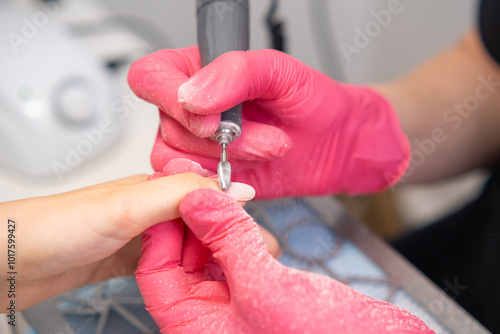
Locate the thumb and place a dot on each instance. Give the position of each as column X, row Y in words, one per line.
column 229, row 232
column 239, row 76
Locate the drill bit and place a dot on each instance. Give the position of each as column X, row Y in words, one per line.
column 226, row 133
column 224, row 169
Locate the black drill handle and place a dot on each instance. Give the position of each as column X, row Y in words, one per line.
column 223, row 25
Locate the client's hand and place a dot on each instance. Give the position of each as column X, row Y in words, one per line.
column 65, row 241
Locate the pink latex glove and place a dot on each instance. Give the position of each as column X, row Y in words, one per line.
column 217, row 277
column 303, row 133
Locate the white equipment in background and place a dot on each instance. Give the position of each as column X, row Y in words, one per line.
column 58, row 107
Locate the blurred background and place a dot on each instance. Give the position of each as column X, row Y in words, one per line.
column 68, row 119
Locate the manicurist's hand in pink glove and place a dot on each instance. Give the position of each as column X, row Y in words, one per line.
column 210, row 272
column 303, row 133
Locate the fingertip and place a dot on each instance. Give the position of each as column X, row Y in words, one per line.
column 142, row 76
column 134, row 72
column 185, row 94
column 188, row 96
column 272, row 244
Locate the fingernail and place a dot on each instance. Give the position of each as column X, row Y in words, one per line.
column 240, row 191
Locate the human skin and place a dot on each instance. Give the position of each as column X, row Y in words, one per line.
column 68, row 240
column 431, row 97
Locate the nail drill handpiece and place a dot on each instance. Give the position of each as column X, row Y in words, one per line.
column 223, row 25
